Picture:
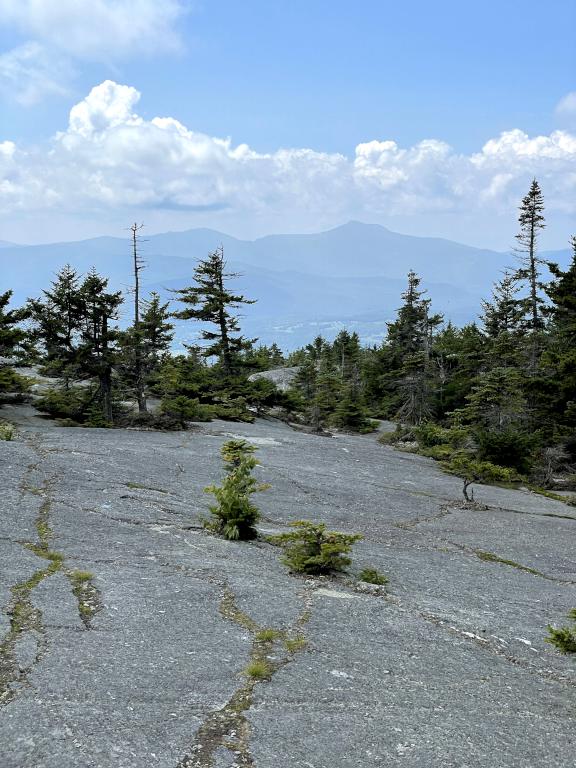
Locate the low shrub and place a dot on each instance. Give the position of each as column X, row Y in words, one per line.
column 509, row 448
column 64, row 403
column 372, row 576
column 311, row 549
column 7, row 431
column 182, row 409
column 564, row 638
column 470, row 470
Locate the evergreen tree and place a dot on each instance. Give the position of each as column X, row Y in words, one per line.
column 72, row 326
column 410, row 340
column 57, row 320
column 560, row 356
column 12, row 336
column 147, row 347
column 98, row 337
column 531, row 220
column 210, row 301
column 502, row 321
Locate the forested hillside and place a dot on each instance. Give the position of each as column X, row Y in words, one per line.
column 495, row 399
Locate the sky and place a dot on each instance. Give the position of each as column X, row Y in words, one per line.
column 257, row 117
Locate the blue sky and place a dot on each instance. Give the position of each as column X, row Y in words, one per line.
column 318, row 79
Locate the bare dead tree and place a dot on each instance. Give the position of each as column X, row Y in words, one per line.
column 138, row 266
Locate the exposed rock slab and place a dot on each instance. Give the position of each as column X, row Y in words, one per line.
column 448, row 668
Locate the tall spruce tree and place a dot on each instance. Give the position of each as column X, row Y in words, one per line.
column 210, row 301
column 531, row 220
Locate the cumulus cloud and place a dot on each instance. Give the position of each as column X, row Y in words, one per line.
column 110, row 158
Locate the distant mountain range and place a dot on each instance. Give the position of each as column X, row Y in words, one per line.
column 351, row 276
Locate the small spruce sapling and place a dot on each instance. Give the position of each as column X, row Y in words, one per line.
column 311, row 549
column 564, row 638
column 234, row 515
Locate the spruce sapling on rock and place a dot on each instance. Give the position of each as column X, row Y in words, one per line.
column 234, row 516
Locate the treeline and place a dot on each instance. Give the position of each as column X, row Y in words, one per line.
column 500, row 392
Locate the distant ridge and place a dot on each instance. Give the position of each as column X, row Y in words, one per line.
column 305, row 284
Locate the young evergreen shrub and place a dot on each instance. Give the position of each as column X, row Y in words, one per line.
column 234, row 516
column 64, row 403
column 429, row 434
column 372, row 576
column 6, row 431
column 311, row 549
column 564, row 638
column 183, row 409
column 233, row 409
column 509, row 448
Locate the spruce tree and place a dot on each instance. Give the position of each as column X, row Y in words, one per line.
column 502, row 321
column 99, row 338
column 560, row 356
column 531, row 220
column 12, row 336
column 57, row 321
column 210, row 301
column 410, row 340
column 153, row 339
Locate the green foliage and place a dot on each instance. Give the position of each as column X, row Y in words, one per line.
column 311, row 549
column 507, row 448
column 470, row 470
column 65, row 403
column 210, row 301
column 372, row 576
column 564, row 638
column 259, row 669
column 183, row 409
column 234, row 516
column 7, row 431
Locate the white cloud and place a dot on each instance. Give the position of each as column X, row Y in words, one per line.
column 29, row 72
column 567, row 105
column 63, row 33
column 109, row 158
column 99, row 28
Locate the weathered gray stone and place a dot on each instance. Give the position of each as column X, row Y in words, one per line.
column 445, row 667
column 283, row 378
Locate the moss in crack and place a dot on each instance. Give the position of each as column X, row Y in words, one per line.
column 228, row 728
column 139, row 486
column 24, row 618
column 87, row 595
column 490, row 557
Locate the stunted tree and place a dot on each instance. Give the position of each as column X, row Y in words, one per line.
column 210, row 301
